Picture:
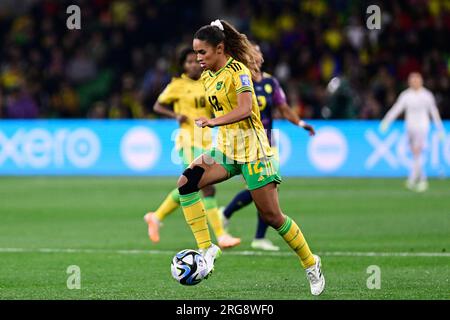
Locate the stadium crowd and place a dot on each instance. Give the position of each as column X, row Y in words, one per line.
column 125, row 53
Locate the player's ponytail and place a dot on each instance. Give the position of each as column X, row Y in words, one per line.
column 236, row 44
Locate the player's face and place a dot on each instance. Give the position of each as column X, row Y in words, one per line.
column 415, row 81
column 207, row 55
column 259, row 62
column 192, row 67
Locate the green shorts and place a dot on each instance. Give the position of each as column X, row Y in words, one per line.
column 257, row 174
column 276, row 159
column 188, row 154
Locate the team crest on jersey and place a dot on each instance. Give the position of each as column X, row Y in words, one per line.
column 268, row 88
column 245, row 81
column 219, row 85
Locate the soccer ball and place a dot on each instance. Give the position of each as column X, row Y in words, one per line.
column 189, row 267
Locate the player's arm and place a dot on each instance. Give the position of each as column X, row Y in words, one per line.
column 166, row 98
column 436, row 117
column 398, row 107
column 244, row 92
column 279, row 98
column 288, row 114
column 166, row 111
column 242, row 111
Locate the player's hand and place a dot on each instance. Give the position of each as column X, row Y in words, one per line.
column 383, row 127
column 181, row 118
column 204, row 122
column 310, row 129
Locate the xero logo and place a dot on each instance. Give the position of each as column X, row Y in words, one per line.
column 40, row 148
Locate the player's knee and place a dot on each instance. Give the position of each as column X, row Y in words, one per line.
column 209, row 191
column 273, row 218
column 188, row 182
column 181, row 181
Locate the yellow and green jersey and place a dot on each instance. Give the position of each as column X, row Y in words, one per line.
column 245, row 140
column 188, row 98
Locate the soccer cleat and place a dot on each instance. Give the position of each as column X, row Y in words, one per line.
column 153, row 226
column 422, row 186
column 210, row 255
column 228, row 241
column 315, row 277
column 410, row 185
column 264, row 244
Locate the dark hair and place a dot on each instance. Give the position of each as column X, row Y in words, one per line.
column 236, row 44
column 183, row 56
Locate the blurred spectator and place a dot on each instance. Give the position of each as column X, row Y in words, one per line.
column 116, row 109
column 81, row 68
column 20, row 105
column 130, row 97
column 98, row 111
column 155, row 79
column 125, row 53
column 370, row 108
column 355, row 33
column 66, row 101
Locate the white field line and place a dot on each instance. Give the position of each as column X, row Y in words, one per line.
column 231, row 252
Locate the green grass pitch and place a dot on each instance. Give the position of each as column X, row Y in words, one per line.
column 96, row 224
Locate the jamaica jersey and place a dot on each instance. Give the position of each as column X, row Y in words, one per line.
column 188, row 98
column 245, row 140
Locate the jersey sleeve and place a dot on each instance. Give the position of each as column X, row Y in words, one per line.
column 169, row 94
column 242, row 80
column 279, row 97
column 396, row 110
column 435, row 113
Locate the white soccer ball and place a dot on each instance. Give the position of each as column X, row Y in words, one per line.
column 189, row 267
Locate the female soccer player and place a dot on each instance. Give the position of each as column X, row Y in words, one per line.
column 187, row 95
column 270, row 95
column 418, row 104
column 229, row 60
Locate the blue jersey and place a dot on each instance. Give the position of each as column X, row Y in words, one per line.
column 270, row 95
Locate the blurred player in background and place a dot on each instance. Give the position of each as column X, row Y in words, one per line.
column 270, row 95
column 187, row 95
column 228, row 59
column 418, row 104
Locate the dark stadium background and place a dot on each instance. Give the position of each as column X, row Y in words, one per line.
column 124, row 54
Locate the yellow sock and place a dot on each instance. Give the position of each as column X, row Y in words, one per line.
column 171, row 202
column 214, row 219
column 195, row 215
column 292, row 234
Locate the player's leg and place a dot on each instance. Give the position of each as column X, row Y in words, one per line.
column 261, row 227
column 154, row 219
column 266, row 200
column 172, row 201
column 202, row 172
column 419, row 145
column 262, row 179
column 260, row 241
column 417, row 178
column 415, row 168
column 224, row 239
column 242, row 199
